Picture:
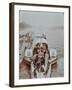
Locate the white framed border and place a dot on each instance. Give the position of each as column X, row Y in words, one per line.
column 64, row 79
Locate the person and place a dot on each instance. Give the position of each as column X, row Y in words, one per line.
column 40, row 57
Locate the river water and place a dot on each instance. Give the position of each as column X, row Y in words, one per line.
column 59, row 72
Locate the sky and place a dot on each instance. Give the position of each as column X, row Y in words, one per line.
column 49, row 23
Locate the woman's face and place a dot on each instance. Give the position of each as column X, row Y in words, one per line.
column 41, row 49
column 41, row 46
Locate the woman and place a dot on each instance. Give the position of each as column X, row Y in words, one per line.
column 40, row 58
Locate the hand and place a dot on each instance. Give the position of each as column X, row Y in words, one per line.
column 34, row 57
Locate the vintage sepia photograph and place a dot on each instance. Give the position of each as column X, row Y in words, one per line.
column 39, row 44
